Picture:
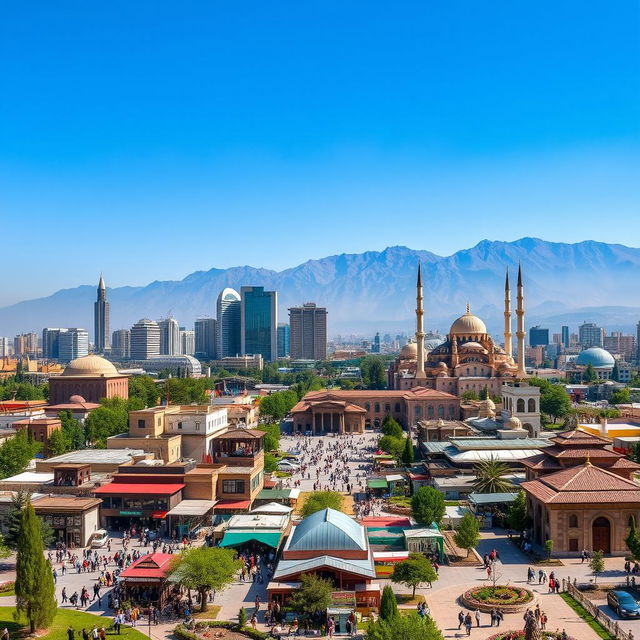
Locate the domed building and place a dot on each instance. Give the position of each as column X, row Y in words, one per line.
column 89, row 378
column 600, row 360
column 468, row 359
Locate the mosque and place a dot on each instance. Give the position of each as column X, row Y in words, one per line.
column 469, row 359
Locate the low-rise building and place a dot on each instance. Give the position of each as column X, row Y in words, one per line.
column 72, row 519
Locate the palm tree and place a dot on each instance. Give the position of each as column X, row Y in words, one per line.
column 489, row 477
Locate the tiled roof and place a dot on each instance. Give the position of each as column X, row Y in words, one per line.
column 581, row 452
column 541, row 462
column 577, row 437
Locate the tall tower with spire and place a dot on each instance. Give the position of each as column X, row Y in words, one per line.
column 420, row 374
column 101, row 319
column 508, row 347
column 520, row 333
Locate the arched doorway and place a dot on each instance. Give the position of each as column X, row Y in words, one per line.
column 601, row 535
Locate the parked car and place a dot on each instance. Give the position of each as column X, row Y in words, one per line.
column 623, row 603
column 99, row 538
column 286, row 465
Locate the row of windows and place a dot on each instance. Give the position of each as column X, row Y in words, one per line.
column 573, row 521
column 387, row 407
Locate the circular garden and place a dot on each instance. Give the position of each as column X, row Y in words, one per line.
column 519, row 635
column 504, row 597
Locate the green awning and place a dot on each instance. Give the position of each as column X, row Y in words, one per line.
column 377, row 483
column 235, row 538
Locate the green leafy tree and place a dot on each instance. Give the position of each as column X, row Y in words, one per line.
column 615, row 372
column 633, row 540
column 270, row 463
column 517, row 516
column 35, row 590
column 16, row 389
column 414, row 571
column 109, row 419
column 621, row 396
column 391, row 428
column 467, row 533
column 182, row 390
column 314, row 594
column 346, row 385
column 548, row 545
column 484, row 393
column 72, row 429
column 277, row 405
column 319, row 500
column 58, row 443
column 242, row 617
column 5, row 549
column 271, row 437
column 467, row 396
column 409, row 627
column 204, row 569
column 373, row 372
column 146, row 389
column 16, row 453
column 555, row 402
column 388, row 604
column 490, row 476
column 589, row 374
column 596, row 564
column 407, row 454
column 393, row 446
column 427, row 505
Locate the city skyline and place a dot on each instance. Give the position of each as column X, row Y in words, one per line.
column 382, row 120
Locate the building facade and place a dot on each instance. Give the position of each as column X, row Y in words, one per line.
column 284, row 340
column 121, row 344
column 228, row 309
column 51, row 342
column 187, row 342
column 145, row 339
column 73, row 343
column 590, row 335
column 101, row 319
column 259, row 322
column 538, row 337
column 169, row 337
column 205, row 336
column 308, row 325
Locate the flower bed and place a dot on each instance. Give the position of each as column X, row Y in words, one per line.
column 205, row 630
column 519, row 635
column 504, row 597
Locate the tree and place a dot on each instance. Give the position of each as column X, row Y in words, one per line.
column 596, row 564
column 615, row 373
column 427, row 505
column 589, row 374
column 277, row 405
column 35, row 589
column 490, row 477
column 621, row 396
column 14, row 517
column 393, row 446
column 409, row 627
column 15, row 454
column 58, row 443
column 270, row 462
column 242, row 617
column 413, row 571
column 635, row 452
column 548, row 545
column 517, row 516
column 391, row 428
column 467, row 533
column 407, row 454
column 204, row 569
column 467, row 396
column 633, row 540
column 72, row 429
column 373, row 372
column 272, row 436
column 388, row 604
column 145, row 388
column 319, row 500
column 484, row 393
column 555, row 402
column 314, row 594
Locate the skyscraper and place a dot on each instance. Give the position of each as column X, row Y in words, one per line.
column 169, row 337
column 187, row 342
column 284, row 340
column 228, row 313
column 51, row 342
column 259, row 322
column 538, row 337
column 565, row 336
column 591, row 335
column 205, row 333
column 101, row 319
column 308, row 332
column 73, row 343
column 121, row 344
column 6, row 348
column 26, row 344
column 145, row 339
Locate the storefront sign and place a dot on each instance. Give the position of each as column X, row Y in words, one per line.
column 131, row 513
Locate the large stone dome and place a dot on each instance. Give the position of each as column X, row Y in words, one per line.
column 468, row 324
column 91, row 366
column 409, row 351
column 596, row 357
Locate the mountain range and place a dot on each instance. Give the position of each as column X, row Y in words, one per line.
column 375, row 290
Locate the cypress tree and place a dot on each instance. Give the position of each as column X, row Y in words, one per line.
column 407, row 454
column 35, row 589
column 388, row 604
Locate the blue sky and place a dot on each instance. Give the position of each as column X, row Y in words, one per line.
column 150, row 139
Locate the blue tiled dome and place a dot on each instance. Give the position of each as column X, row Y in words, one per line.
column 328, row 530
column 596, row 357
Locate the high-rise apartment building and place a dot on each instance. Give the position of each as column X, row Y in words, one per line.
column 538, row 337
column 590, row 335
column 284, row 340
column 101, row 319
column 6, row 348
column 26, row 344
column 121, row 344
column 145, row 339
column 228, row 308
column 565, row 336
column 187, row 342
column 308, row 332
column 618, row 343
column 205, row 335
column 51, row 342
column 375, row 348
column 169, row 337
column 259, row 322
column 73, row 343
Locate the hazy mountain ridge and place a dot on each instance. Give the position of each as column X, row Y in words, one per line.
column 564, row 283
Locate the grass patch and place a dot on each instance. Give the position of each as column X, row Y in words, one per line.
column 586, row 616
column 401, row 501
column 210, row 614
column 281, row 474
column 8, row 590
column 452, row 503
column 65, row 618
column 406, row 599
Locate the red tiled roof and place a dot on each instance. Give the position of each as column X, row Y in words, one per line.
column 232, row 504
column 541, row 461
column 580, row 452
column 153, row 565
column 142, row 488
column 577, row 437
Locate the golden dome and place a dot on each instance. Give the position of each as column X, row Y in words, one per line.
column 409, row 351
column 468, row 324
column 91, row 366
column 514, row 423
column 486, row 409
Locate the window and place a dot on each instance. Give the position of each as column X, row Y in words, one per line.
column 387, row 408
column 367, row 406
column 520, row 405
column 377, row 407
column 573, row 544
column 397, row 407
column 430, row 411
column 197, row 426
column 452, row 411
column 141, row 424
column 573, row 521
column 532, row 405
column 179, row 425
column 417, row 412
column 233, row 486
column 255, row 481
column 440, row 411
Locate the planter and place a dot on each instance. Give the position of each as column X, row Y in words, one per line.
column 519, row 635
column 507, row 598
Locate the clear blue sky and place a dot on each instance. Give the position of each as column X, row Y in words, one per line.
column 150, row 139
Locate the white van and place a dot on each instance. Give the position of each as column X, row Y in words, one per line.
column 99, row 538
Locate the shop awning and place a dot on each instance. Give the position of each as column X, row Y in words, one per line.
column 232, row 504
column 192, row 508
column 377, row 483
column 235, row 538
column 159, row 515
column 144, row 488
